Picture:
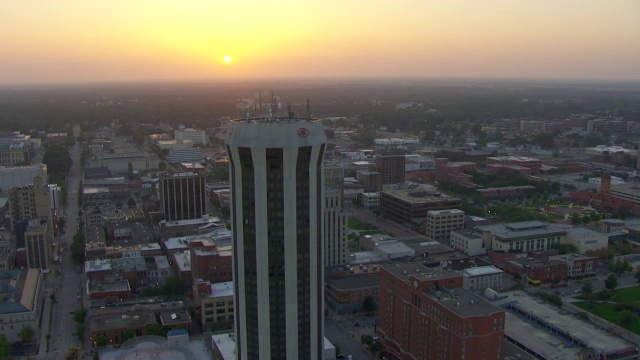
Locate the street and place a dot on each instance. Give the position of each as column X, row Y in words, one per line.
column 67, row 282
column 343, row 335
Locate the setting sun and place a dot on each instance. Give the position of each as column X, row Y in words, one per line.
column 227, row 58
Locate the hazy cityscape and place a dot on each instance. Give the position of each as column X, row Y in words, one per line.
column 429, row 180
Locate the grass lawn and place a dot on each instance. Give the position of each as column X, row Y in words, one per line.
column 627, row 295
column 607, row 312
column 356, row 224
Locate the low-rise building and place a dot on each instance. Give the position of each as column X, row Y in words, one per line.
column 482, row 277
column 523, row 236
column 215, row 304
column 468, row 241
column 370, row 200
column 585, row 239
column 95, row 196
column 113, row 327
column 538, row 272
column 578, row 266
column 345, row 295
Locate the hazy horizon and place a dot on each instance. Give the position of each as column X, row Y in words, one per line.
column 45, row 42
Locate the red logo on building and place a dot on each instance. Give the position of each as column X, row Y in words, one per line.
column 303, row 132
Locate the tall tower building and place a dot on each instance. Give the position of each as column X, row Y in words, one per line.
column 32, row 221
column 335, row 218
column 391, row 164
column 183, row 196
column 276, row 219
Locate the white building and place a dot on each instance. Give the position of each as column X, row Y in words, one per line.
column 370, row 200
column 196, row 136
column 482, row 277
column 598, row 180
column 277, row 201
column 585, row 239
column 468, row 241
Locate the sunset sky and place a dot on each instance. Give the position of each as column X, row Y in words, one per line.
column 117, row 40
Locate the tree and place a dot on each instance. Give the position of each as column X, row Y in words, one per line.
column 79, row 315
column 131, row 203
column 172, row 286
column 627, row 318
column 369, row 304
column 587, row 288
column 5, row 346
column 128, row 334
column 27, row 334
column 101, row 340
column 156, row 329
column 611, row 282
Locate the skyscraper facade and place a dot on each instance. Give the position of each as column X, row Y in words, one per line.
column 335, row 218
column 183, row 196
column 276, row 215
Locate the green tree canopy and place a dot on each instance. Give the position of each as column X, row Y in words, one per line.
column 5, row 346
column 369, row 304
column 27, row 333
column 128, row 334
column 611, row 282
column 58, row 160
column 627, row 318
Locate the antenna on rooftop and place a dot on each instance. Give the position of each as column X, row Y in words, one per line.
column 260, row 101
column 308, row 109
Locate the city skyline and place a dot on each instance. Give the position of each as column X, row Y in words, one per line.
column 123, row 41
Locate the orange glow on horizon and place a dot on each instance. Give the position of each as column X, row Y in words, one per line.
column 124, row 40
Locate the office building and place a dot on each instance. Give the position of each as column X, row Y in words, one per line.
column 183, row 196
column 38, row 238
column 522, row 236
column 193, row 135
column 390, row 163
column 277, row 210
column 440, row 223
column 426, row 314
column 30, row 202
column 404, row 206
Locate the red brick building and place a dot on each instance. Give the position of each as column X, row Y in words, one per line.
column 532, row 164
column 209, row 262
column 347, row 294
column 390, row 164
column 454, row 172
column 427, row 315
column 538, row 271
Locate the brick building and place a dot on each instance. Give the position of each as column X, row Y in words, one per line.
column 347, row 294
column 427, row 315
column 532, row 164
column 454, row 172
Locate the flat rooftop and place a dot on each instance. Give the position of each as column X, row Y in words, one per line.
column 405, row 270
column 352, row 282
column 482, row 270
column 419, row 196
column 467, row 304
column 544, row 343
column 521, row 229
column 565, row 322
